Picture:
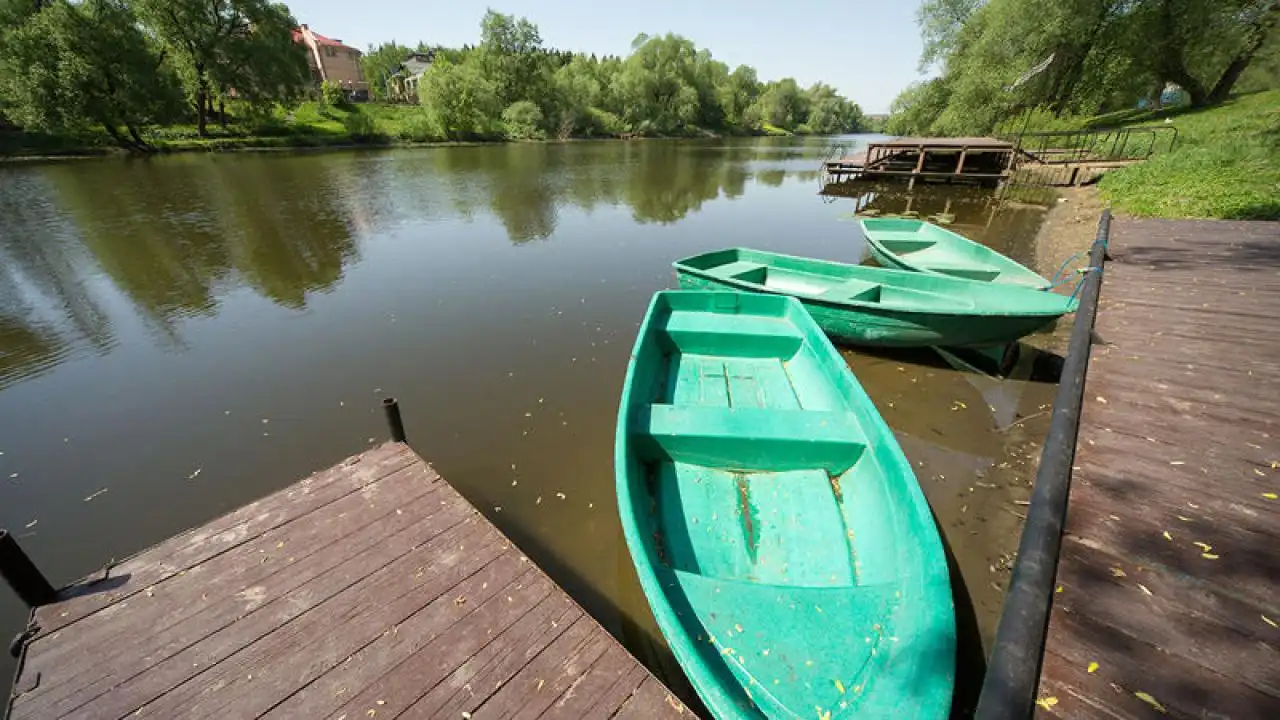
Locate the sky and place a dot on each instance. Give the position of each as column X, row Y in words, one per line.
column 866, row 49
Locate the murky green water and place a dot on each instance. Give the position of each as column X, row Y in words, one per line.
column 182, row 335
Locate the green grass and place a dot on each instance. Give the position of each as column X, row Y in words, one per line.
column 1226, row 164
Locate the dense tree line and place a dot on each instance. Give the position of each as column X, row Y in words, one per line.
column 511, row 85
column 999, row 58
column 123, row 64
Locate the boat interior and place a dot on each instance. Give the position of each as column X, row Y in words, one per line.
column 765, row 491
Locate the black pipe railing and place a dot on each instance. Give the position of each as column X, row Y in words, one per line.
column 1013, row 673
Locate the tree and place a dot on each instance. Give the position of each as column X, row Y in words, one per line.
column 523, row 121
column 656, row 84
column 510, row 54
column 226, row 44
column 940, row 24
column 379, row 64
column 71, row 64
column 783, row 104
column 461, row 102
column 739, row 91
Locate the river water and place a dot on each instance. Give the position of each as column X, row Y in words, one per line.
column 182, row 335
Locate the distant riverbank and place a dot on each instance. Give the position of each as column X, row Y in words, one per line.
column 309, row 126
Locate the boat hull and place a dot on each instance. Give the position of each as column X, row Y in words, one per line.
column 777, row 530
column 894, row 328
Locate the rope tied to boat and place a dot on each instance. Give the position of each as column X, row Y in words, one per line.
column 1084, row 272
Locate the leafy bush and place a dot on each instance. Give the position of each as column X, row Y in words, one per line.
column 523, row 121
column 420, row 128
column 332, row 94
column 603, row 122
column 360, row 127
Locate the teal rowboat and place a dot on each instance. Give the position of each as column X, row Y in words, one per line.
column 779, row 534
column 924, row 247
column 861, row 305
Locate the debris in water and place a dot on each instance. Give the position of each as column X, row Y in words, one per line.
column 94, row 495
column 195, row 474
column 1150, row 701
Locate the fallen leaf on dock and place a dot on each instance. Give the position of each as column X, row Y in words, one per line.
column 1150, row 701
column 1047, row 702
column 1093, row 667
column 840, row 686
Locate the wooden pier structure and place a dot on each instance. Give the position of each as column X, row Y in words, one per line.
column 973, row 159
column 1170, row 565
column 369, row 590
column 1054, row 158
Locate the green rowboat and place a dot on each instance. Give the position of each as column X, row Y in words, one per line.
column 782, row 541
column 924, row 247
column 861, row 305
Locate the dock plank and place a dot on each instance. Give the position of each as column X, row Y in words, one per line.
column 370, row 586
column 1177, row 446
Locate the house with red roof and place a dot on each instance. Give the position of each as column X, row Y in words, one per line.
column 332, row 61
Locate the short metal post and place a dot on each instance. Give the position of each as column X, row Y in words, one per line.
column 392, row 409
column 22, row 574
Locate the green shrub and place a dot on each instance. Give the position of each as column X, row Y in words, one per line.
column 360, row 127
column 420, row 128
column 522, row 120
column 603, row 123
column 332, row 94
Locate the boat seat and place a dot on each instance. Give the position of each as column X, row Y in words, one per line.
column 738, row 269
column 731, row 335
column 854, row 290
column 750, row 439
column 908, row 244
column 966, row 272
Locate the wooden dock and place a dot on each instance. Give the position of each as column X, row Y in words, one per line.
column 971, row 159
column 1169, row 601
column 369, row 590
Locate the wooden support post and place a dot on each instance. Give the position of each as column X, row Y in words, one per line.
column 919, row 166
column 22, row 574
column 392, row 409
column 960, row 165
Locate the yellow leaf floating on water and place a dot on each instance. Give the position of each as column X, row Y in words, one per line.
column 1058, row 589
column 840, row 686
column 1101, row 400
column 1118, row 572
column 1269, row 621
column 1177, row 462
column 1203, row 545
column 1269, row 496
column 1150, row 701
column 1144, row 589
column 1167, row 536
column 1184, row 518
column 1047, row 702
column 1208, row 556
column 1093, row 667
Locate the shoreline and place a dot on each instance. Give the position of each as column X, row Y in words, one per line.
column 267, row 144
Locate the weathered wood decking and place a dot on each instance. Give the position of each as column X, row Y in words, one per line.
column 370, row 590
column 1170, row 568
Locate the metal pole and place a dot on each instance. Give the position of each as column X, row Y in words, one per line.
column 22, row 574
column 392, row 409
column 1013, row 673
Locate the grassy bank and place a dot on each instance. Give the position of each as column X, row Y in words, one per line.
column 308, row 125
column 1226, row 164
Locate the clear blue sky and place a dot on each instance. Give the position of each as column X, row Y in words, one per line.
column 867, row 49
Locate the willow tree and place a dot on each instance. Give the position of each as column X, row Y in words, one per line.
column 223, row 45
column 73, row 64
